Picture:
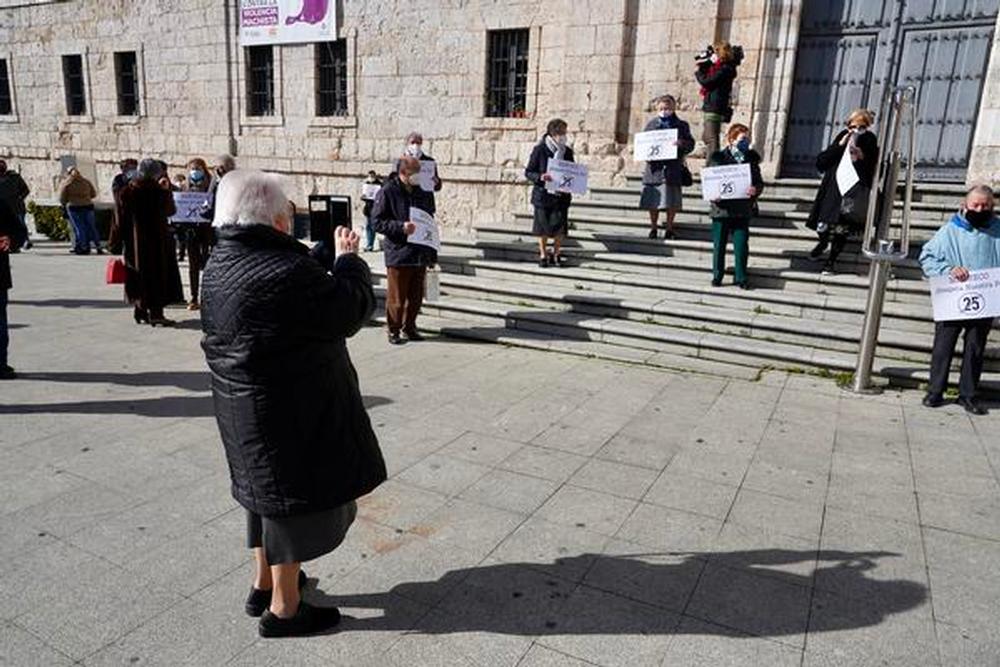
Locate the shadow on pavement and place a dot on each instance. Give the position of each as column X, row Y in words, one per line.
column 71, row 303
column 737, row 591
column 190, row 380
column 170, row 406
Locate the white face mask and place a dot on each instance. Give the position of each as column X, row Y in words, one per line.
column 415, row 150
column 560, row 140
column 667, row 113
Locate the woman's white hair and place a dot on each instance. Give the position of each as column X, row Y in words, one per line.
column 247, row 197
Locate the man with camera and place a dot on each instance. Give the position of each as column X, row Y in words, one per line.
column 716, row 72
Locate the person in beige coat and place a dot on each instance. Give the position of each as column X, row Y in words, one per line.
column 77, row 194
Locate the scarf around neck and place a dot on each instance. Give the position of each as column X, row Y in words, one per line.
column 557, row 150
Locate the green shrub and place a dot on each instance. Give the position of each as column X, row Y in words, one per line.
column 49, row 220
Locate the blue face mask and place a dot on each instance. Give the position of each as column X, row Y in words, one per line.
column 196, row 175
column 743, row 145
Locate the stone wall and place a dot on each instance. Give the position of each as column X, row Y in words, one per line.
column 984, row 163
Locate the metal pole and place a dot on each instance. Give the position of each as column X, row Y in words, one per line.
column 878, row 277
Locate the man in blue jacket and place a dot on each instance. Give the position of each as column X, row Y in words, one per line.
column 970, row 241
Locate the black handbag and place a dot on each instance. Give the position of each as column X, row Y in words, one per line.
column 686, row 178
column 854, row 205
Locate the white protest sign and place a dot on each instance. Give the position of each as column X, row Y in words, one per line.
column 370, row 190
column 567, row 177
column 428, row 169
column 189, row 207
column 656, row 145
column 978, row 297
column 729, row 181
column 427, row 233
column 847, row 175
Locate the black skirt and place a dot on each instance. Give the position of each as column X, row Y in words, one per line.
column 550, row 222
column 295, row 539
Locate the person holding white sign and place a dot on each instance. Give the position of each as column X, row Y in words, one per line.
column 967, row 243
column 198, row 236
column 415, row 149
column 841, row 203
column 551, row 208
column 406, row 262
column 662, row 179
column 731, row 217
column 369, row 191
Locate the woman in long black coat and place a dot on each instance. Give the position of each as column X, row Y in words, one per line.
column 551, row 219
column 298, row 440
column 152, row 278
column 826, row 218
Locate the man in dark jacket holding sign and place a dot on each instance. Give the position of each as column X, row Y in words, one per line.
column 298, row 440
column 405, row 262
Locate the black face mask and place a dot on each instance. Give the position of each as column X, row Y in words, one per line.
column 979, row 219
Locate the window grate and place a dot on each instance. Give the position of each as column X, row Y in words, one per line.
column 260, row 80
column 331, row 78
column 127, row 75
column 507, row 73
column 6, row 101
column 76, row 98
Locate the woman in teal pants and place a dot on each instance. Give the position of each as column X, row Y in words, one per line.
column 731, row 217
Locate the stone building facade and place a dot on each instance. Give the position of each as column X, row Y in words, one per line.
column 411, row 65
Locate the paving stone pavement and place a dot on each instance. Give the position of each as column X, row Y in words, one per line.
column 542, row 510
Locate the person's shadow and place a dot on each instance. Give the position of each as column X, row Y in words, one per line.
column 739, row 592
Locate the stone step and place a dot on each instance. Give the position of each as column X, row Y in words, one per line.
column 497, row 320
column 908, row 346
column 939, row 193
column 813, row 306
column 765, row 252
column 672, row 268
column 921, row 228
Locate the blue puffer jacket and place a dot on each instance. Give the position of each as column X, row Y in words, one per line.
column 960, row 244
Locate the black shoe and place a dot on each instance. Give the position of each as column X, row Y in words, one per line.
column 99, row 251
column 971, row 406
column 413, row 336
column 7, row 373
column 308, row 620
column 669, row 235
column 933, row 401
column 140, row 316
column 818, row 251
column 743, row 285
column 558, row 260
column 829, row 269
column 395, row 339
column 543, row 262
column 716, row 283
column 258, row 601
column 652, row 233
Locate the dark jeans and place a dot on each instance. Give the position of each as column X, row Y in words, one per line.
column 404, row 296
column 369, row 233
column 739, row 229
column 84, row 228
column 4, row 337
column 945, row 338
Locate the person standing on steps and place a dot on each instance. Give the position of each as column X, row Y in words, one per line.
column 969, row 242
column 370, row 182
column 551, row 208
column 827, row 217
column 198, row 236
column 298, row 440
column 415, row 149
column 662, row 180
column 13, row 192
column 405, row 263
column 731, row 217
column 715, row 73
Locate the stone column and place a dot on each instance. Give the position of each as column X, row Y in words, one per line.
column 984, row 161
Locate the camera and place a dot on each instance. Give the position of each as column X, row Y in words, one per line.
column 704, row 57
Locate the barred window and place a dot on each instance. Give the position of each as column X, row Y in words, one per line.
column 76, row 96
column 331, row 78
column 6, row 103
column 127, row 76
column 507, row 73
column 260, row 80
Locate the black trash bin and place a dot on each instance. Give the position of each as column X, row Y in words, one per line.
column 327, row 212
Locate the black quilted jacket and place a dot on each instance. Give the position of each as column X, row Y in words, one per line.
column 287, row 400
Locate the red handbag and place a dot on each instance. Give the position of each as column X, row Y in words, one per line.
column 114, row 273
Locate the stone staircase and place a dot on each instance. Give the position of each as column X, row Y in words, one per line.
column 629, row 298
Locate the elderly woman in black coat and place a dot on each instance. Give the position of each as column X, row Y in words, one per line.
column 827, row 217
column 551, row 208
column 298, row 441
